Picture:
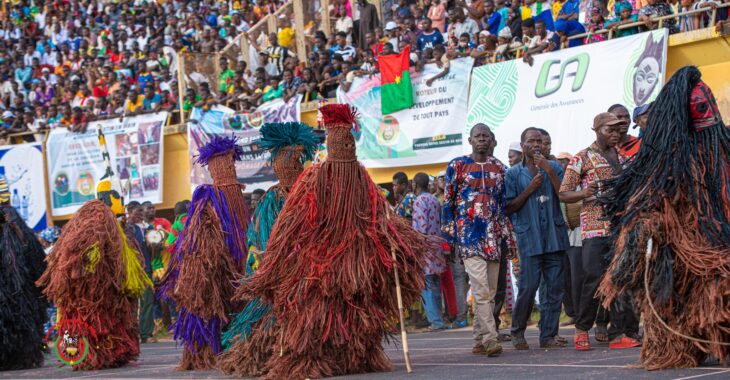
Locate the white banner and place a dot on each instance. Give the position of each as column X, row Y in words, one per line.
column 255, row 169
column 563, row 91
column 136, row 151
column 428, row 132
column 22, row 166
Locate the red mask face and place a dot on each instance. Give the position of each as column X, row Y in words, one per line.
column 703, row 108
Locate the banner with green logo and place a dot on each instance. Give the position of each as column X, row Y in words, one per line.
column 428, row 132
column 563, row 91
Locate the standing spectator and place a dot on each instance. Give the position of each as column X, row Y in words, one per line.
column 429, row 37
column 599, row 162
column 515, row 154
column 532, row 199
column 566, row 29
column 404, row 196
column 274, row 56
column 441, row 61
column 437, row 15
column 344, row 24
column 596, row 23
column 426, row 221
column 627, row 144
column 135, row 221
column 391, row 29
column 368, row 21
column 286, row 33
column 476, row 226
column 492, row 19
column 475, row 10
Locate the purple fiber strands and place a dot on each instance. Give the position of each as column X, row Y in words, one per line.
column 219, row 145
column 196, row 332
column 232, row 227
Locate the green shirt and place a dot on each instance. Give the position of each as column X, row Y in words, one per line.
column 225, row 77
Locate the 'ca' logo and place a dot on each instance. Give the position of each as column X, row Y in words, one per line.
column 550, row 81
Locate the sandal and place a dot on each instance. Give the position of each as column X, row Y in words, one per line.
column 581, row 341
column 601, row 334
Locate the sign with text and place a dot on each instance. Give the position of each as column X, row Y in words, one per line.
column 22, row 166
column 75, row 163
column 563, row 91
column 428, row 132
column 255, row 169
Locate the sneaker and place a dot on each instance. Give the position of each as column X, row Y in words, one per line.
column 623, row 342
column 520, row 343
column 493, row 348
column 461, row 324
column 553, row 343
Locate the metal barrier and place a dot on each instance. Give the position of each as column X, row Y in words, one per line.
column 659, row 20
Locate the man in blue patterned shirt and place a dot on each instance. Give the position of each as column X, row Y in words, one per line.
column 474, row 223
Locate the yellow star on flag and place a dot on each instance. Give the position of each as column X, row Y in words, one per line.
column 397, row 79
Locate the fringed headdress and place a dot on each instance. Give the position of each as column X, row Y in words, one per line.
column 291, row 145
column 338, row 120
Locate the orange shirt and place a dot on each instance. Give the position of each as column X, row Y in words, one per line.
column 631, row 147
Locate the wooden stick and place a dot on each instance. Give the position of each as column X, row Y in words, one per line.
column 403, row 334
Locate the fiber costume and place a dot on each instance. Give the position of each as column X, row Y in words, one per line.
column 95, row 278
column 676, row 192
column 22, row 306
column 328, row 272
column 209, row 256
column 250, row 340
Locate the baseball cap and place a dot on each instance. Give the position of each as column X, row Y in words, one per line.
column 391, row 25
column 515, row 146
column 8, row 114
column 605, row 118
column 640, row 110
column 441, row 174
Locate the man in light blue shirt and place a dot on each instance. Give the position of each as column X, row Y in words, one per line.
column 532, row 201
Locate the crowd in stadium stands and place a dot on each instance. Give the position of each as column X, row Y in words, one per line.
column 65, row 63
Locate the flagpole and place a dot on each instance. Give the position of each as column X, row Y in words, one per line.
column 404, row 336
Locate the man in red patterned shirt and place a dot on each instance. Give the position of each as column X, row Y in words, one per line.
column 586, row 171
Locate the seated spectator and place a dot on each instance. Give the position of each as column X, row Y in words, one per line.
column 596, row 23
column 514, row 21
column 657, row 8
column 152, row 101
column 460, row 24
column 486, row 51
column 440, row 59
column 464, row 48
column 290, row 84
column 625, row 16
column 347, row 52
column 393, row 34
column 566, row 29
column 274, row 90
column 308, row 88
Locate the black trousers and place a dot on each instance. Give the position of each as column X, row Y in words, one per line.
column 596, row 256
column 574, row 281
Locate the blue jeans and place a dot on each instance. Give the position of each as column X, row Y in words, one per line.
column 432, row 301
column 461, row 287
column 550, row 267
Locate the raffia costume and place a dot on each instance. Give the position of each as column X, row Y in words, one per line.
column 22, row 306
column 249, row 339
column 209, row 255
column 676, row 192
column 328, row 272
column 95, row 277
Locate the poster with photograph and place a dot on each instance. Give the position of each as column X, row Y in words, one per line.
column 136, row 151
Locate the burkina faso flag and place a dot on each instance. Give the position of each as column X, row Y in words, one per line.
column 396, row 91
